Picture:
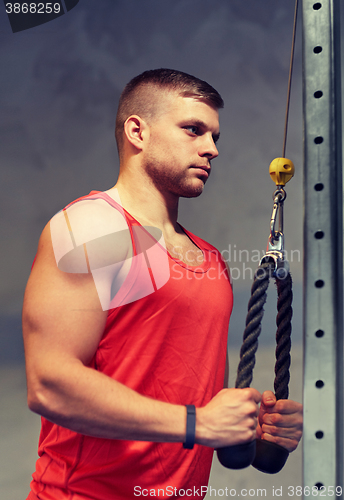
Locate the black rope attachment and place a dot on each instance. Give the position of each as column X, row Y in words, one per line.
column 253, row 328
column 263, row 455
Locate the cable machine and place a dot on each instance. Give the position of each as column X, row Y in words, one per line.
column 323, row 270
column 323, row 250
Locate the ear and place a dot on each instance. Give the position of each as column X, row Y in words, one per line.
column 135, row 130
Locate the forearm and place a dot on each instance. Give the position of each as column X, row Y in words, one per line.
column 89, row 402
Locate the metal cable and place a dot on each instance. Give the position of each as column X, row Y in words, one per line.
column 289, row 80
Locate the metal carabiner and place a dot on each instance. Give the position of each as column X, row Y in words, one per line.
column 275, row 246
column 279, row 196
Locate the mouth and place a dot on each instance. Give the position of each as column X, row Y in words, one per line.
column 203, row 170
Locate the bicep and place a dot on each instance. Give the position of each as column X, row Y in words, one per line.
column 62, row 315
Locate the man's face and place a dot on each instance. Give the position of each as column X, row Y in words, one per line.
column 181, row 146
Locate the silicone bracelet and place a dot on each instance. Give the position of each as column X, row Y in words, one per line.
column 190, row 427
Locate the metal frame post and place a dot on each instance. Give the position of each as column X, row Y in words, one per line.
column 323, row 250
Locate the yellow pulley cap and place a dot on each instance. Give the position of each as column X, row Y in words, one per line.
column 281, row 171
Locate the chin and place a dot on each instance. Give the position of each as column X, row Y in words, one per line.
column 192, row 193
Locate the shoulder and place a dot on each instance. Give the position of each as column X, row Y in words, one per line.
column 95, row 224
column 90, row 217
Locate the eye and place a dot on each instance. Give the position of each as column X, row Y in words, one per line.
column 192, row 128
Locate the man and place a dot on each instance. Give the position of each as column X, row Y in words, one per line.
column 126, row 317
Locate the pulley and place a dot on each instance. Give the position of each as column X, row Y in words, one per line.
column 281, row 171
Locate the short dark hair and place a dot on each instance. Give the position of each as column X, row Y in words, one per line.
column 141, row 94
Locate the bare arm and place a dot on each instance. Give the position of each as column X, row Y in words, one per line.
column 63, row 323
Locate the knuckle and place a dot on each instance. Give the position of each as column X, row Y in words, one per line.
column 250, row 410
column 275, row 418
column 251, row 423
column 298, row 435
column 300, row 423
column 267, row 429
column 292, row 445
column 250, row 434
column 282, row 404
column 247, row 393
column 255, row 423
column 279, row 440
column 244, row 394
column 276, row 432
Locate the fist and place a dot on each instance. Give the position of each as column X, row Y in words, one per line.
column 230, row 418
column 280, row 421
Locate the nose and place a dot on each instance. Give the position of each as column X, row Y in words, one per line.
column 208, row 148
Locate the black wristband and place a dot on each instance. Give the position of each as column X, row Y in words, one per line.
column 190, row 427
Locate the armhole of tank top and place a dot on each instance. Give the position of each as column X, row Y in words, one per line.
column 129, row 218
column 73, row 240
column 95, row 195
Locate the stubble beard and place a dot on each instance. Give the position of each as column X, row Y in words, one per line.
column 167, row 181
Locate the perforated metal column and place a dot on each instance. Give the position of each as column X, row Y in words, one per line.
column 323, row 251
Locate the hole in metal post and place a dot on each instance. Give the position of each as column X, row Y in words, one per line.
column 319, row 186
column 317, row 6
column 319, row 283
column 319, row 384
column 319, row 485
column 319, row 140
column 319, row 235
column 319, row 434
column 318, row 94
column 317, row 49
column 319, row 333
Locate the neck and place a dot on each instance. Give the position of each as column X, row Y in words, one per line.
column 144, row 202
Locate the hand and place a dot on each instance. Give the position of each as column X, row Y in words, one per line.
column 230, row 418
column 280, row 421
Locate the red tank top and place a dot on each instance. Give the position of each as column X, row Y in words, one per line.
column 169, row 345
